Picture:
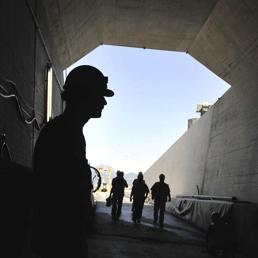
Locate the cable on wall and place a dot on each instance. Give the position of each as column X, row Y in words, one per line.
column 4, row 150
column 26, row 117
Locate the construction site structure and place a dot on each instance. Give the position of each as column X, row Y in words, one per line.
column 106, row 173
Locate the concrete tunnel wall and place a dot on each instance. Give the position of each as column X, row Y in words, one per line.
column 232, row 160
column 219, row 153
column 24, row 61
column 184, row 162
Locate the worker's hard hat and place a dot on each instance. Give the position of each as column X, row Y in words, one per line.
column 83, row 81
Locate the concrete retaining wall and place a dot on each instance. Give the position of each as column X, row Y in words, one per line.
column 184, row 162
column 232, row 160
column 218, row 153
column 23, row 61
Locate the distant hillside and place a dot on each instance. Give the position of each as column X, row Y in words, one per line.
column 130, row 177
column 104, row 168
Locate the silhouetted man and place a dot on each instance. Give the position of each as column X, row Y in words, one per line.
column 117, row 194
column 138, row 194
column 160, row 194
column 134, row 181
column 63, row 199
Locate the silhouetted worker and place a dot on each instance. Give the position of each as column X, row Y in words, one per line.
column 117, row 194
column 160, row 194
column 134, row 181
column 63, row 199
column 138, row 194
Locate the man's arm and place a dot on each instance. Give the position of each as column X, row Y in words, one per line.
column 132, row 193
column 146, row 191
column 111, row 191
column 169, row 196
column 153, row 191
column 112, row 187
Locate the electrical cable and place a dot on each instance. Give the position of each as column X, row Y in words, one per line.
column 22, row 112
column 4, row 150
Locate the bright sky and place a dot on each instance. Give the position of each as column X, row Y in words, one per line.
column 156, row 92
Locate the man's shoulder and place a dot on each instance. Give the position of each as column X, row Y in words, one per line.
column 168, row 186
column 121, row 181
column 51, row 135
column 164, row 185
column 56, row 123
column 155, row 184
column 145, row 185
column 51, row 126
column 114, row 180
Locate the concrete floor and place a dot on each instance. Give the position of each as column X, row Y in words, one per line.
column 125, row 239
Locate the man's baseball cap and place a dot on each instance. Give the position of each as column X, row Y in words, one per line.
column 83, row 81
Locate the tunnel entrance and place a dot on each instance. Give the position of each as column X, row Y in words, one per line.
column 156, row 93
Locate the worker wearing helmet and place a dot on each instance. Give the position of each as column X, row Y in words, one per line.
column 63, row 176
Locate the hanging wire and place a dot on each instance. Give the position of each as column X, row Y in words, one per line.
column 30, row 119
column 4, row 150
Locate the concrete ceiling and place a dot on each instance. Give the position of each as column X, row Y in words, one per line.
column 221, row 34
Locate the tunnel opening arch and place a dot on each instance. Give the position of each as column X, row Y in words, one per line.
column 219, row 34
